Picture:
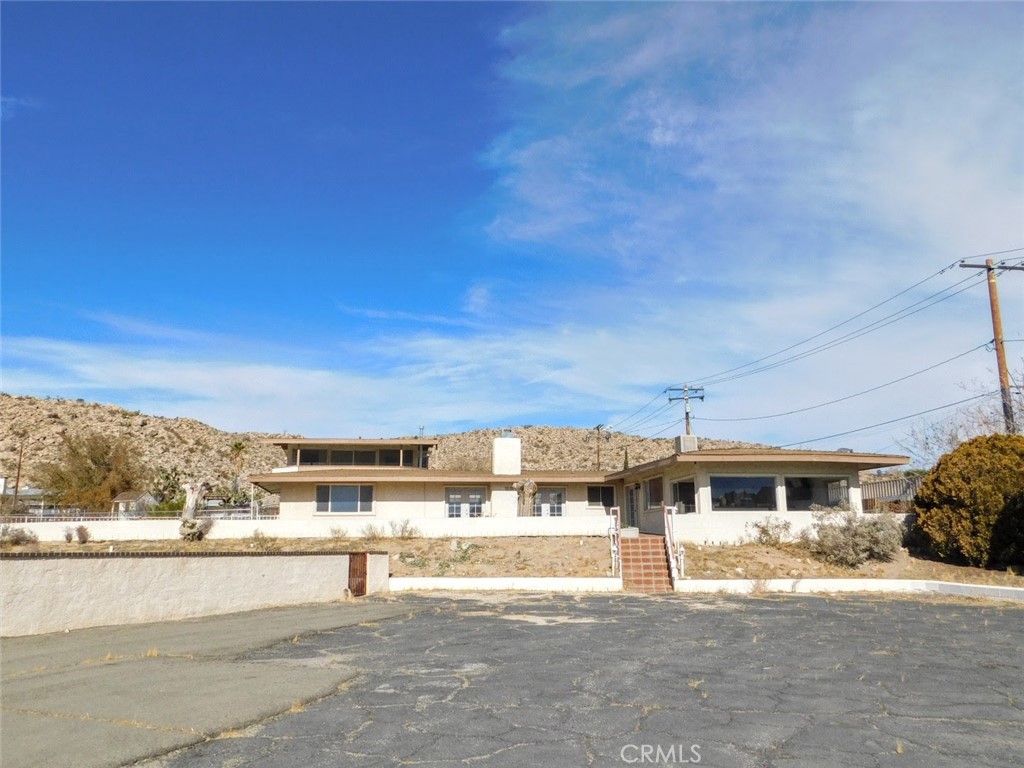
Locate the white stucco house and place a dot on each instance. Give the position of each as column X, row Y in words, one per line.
column 717, row 493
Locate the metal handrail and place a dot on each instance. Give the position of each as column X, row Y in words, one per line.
column 670, row 543
column 615, row 540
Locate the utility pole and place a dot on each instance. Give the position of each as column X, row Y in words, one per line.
column 697, row 393
column 997, row 331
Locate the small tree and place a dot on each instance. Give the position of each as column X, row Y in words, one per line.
column 90, row 470
column 967, row 506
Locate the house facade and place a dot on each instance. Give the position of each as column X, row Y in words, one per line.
column 717, row 493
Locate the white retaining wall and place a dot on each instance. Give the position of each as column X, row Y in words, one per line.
column 126, row 530
column 52, row 594
column 808, row 586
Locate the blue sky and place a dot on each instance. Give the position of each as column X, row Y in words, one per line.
column 363, row 219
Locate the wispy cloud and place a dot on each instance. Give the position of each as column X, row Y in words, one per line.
column 11, row 106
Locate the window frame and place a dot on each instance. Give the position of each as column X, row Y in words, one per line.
column 545, row 492
column 772, row 483
column 324, row 499
column 603, row 491
column 466, row 503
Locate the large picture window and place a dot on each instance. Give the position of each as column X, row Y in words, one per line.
column 549, row 502
column 802, row 492
column 345, row 499
column 743, row 492
column 464, row 502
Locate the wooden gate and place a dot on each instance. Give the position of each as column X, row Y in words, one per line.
column 357, row 573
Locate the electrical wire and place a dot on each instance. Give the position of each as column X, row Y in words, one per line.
column 639, row 410
column 849, row 397
column 871, row 328
column 834, row 327
column 891, row 421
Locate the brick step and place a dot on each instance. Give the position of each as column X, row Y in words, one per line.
column 644, row 565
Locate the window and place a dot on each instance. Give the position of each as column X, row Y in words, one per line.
column 312, row 456
column 743, row 493
column 464, row 502
column 549, row 502
column 365, row 458
column 654, row 492
column 802, row 492
column 684, row 496
column 342, row 457
column 601, row 496
column 351, row 499
column 390, row 457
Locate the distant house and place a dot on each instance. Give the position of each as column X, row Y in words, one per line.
column 131, row 503
column 716, row 492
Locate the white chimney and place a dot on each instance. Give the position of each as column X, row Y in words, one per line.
column 686, row 443
column 507, row 455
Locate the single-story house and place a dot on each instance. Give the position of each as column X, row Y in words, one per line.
column 717, row 493
column 132, row 503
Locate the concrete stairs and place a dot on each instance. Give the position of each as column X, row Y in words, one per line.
column 645, row 564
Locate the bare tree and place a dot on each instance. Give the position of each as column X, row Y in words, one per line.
column 927, row 441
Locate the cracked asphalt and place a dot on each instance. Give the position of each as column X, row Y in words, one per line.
column 615, row 680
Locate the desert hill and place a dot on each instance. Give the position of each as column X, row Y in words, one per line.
column 197, row 450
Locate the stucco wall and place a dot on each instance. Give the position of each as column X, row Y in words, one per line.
column 327, row 526
column 422, row 501
column 52, row 594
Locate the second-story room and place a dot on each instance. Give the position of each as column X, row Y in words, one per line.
column 400, row 453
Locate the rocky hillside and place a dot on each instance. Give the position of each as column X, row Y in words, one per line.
column 560, row 448
column 197, row 450
column 194, row 449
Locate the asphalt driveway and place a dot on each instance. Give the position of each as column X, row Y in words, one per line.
column 513, row 680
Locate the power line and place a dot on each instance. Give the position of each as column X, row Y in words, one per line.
column 891, row 421
column 834, row 327
column 849, row 397
column 639, row 410
column 863, row 331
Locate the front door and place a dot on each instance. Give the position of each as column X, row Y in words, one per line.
column 632, row 506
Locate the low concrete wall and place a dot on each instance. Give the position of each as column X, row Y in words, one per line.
column 152, row 530
column 516, row 583
column 809, row 586
column 52, row 593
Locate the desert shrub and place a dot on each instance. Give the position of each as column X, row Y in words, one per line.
column 373, row 532
column 69, row 533
column 338, row 533
column 968, row 507
column 771, row 532
column 842, row 537
column 14, row 537
column 82, row 534
column 259, row 540
column 403, row 530
column 1008, row 533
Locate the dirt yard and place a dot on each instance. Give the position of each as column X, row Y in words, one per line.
column 564, row 556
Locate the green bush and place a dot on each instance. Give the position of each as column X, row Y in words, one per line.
column 970, row 508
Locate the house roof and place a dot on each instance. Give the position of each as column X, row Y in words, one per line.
column 273, row 481
column 764, row 455
column 333, row 442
